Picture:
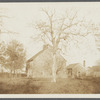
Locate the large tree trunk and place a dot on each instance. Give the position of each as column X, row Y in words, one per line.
column 54, row 68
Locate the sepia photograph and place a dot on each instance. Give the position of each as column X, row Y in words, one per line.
column 50, row 48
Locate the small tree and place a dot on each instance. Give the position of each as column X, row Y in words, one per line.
column 15, row 55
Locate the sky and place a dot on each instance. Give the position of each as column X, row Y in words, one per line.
column 23, row 15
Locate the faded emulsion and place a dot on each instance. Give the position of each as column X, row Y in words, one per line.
column 50, row 48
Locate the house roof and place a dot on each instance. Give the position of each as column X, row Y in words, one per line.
column 73, row 65
column 76, row 67
column 47, row 50
column 32, row 58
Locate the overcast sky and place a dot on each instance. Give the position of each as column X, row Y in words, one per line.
column 21, row 15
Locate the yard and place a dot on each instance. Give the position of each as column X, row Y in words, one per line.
column 45, row 86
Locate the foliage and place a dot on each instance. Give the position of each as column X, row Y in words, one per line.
column 2, row 53
column 15, row 54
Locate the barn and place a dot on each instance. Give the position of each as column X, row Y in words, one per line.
column 40, row 65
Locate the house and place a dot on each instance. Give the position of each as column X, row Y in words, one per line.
column 40, row 65
column 76, row 70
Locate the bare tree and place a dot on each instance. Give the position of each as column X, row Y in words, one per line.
column 54, row 30
column 15, row 56
column 3, row 17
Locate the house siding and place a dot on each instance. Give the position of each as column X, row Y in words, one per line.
column 41, row 66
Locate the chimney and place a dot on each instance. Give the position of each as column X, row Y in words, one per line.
column 83, row 63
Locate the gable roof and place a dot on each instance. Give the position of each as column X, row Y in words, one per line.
column 73, row 65
column 32, row 58
column 76, row 67
column 48, row 52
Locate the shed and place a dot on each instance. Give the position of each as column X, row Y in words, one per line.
column 75, row 70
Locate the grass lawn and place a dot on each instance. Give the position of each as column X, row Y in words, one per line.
column 45, row 86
